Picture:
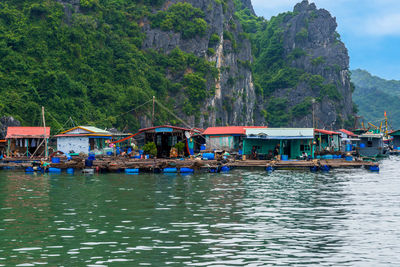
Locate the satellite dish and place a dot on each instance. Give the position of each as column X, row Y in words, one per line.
column 187, row 134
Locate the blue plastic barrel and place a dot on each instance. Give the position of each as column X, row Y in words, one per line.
column 349, row 147
column 225, row 169
column 325, row 168
column 131, row 170
column 186, row 170
column 209, row 156
column 88, row 162
column 170, row 170
column 141, row 152
column 55, row 160
column 314, row 169
column 374, row 168
column 29, row 169
column 137, row 157
column 70, row 170
column 202, row 147
column 362, row 145
column 285, row 157
column 55, row 170
column 349, row 158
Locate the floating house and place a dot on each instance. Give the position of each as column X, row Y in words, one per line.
column 165, row 137
column 396, row 139
column 292, row 142
column 348, row 140
column 82, row 139
column 371, row 145
column 327, row 140
column 229, row 138
column 27, row 141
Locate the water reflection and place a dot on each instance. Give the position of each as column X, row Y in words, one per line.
column 239, row 218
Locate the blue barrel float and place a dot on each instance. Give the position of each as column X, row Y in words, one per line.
column 225, row 169
column 349, row 158
column 186, row 170
column 54, row 170
column 70, row 170
column 374, row 168
column 170, row 170
column 55, row 160
column 29, row 169
column 325, row 168
column 131, row 171
column 285, row 157
column 314, row 169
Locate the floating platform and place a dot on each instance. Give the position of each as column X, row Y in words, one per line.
column 127, row 165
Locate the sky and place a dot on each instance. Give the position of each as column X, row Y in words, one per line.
column 370, row 30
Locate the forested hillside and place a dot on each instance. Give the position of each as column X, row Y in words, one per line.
column 84, row 60
column 374, row 96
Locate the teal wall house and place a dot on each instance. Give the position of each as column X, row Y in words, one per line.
column 229, row 138
column 396, row 138
column 292, row 141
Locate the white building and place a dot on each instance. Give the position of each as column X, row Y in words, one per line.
column 82, row 139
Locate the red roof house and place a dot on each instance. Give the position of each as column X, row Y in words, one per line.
column 229, row 130
column 27, row 132
column 26, row 141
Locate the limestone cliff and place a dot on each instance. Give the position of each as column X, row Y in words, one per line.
column 315, row 71
column 234, row 98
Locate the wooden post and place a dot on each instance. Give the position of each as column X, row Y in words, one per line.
column 46, row 152
column 154, row 100
column 8, row 147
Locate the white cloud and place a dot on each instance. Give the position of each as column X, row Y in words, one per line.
column 385, row 25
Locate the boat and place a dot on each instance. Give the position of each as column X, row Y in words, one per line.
column 372, row 145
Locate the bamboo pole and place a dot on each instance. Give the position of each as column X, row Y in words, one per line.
column 46, row 152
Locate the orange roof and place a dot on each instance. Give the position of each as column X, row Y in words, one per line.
column 229, row 130
column 27, row 132
column 326, row 132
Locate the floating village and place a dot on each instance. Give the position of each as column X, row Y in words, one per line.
column 172, row 149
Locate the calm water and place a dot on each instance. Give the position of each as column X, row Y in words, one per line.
column 341, row 218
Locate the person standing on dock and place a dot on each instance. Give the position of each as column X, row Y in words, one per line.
column 277, row 151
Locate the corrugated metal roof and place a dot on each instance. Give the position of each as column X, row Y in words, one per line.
column 90, row 129
column 326, row 132
column 281, row 132
column 26, row 132
column 172, row 127
column 347, row 132
column 229, row 130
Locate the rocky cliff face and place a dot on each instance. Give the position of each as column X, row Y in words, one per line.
column 234, row 98
column 5, row 122
column 312, row 45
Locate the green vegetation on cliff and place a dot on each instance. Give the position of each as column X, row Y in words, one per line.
column 89, row 65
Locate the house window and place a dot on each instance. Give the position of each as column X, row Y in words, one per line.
column 305, row 148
